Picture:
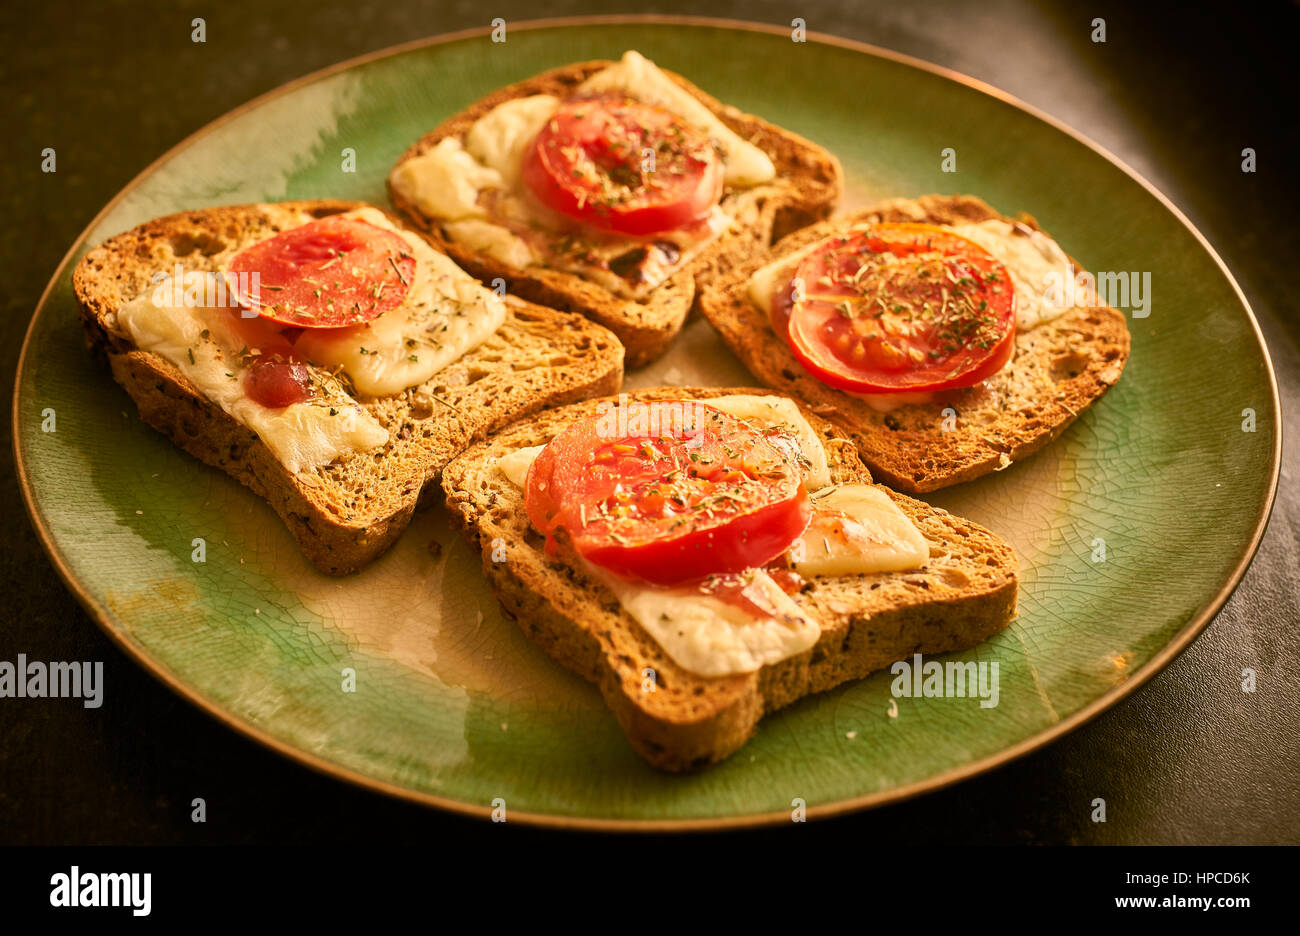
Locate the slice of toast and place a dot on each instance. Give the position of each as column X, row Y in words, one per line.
column 807, row 185
column 964, row 594
column 346, row 513
column 1060, row 368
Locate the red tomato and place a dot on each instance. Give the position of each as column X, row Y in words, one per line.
column 592, row 162
column 260, row 335
column 899, row 307
column 704, row 494
column 275, row 382
column 324, row 274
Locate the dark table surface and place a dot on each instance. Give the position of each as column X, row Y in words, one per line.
column 1176, row 93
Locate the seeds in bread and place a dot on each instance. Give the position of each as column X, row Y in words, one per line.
column 345, row 513
column 808, row 183
column 963, row 595
column 1059, row 369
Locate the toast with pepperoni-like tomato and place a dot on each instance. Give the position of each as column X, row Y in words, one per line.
column 706, row 556
column 614, row 189
column 946, row 340
column 326, row 356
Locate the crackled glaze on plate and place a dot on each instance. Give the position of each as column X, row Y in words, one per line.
column 453, row 706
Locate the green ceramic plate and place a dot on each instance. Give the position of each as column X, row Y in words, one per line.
column 453, row 705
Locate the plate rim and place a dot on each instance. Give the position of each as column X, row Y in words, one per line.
column 1176, row 645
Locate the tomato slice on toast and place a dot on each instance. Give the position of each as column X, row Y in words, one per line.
column 698, row 492
column 329, row 273
column 899, row 308
column 619, row 165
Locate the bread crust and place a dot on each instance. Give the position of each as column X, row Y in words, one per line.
column 343, row 515
column 809, row 181
column 963, row 595
column 1059, row 369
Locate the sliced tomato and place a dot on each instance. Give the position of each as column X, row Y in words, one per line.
column 704, row 494
column 619, row 165
column 329, row 273
column 260, row 335
column 898, row 308
column 276, row 382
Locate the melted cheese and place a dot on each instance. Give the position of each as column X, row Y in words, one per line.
column 201, row 343
column 774, row 412
column 608, row 248
column 445, row 181
column 710, row 637
column 858, row 529
column 499, row 138
column 446, row 313
column 777, row 274
column 515, row 465
column 1034, row 261
column 491, row 240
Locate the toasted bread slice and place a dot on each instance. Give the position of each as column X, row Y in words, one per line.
column 1060, row 368
column 808, row 183
column 964, row 594
column 346, row 513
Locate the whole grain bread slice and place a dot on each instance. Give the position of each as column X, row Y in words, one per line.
column 1059, row 369
column 808, row 183
column 966, row 592
column 346, row 513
